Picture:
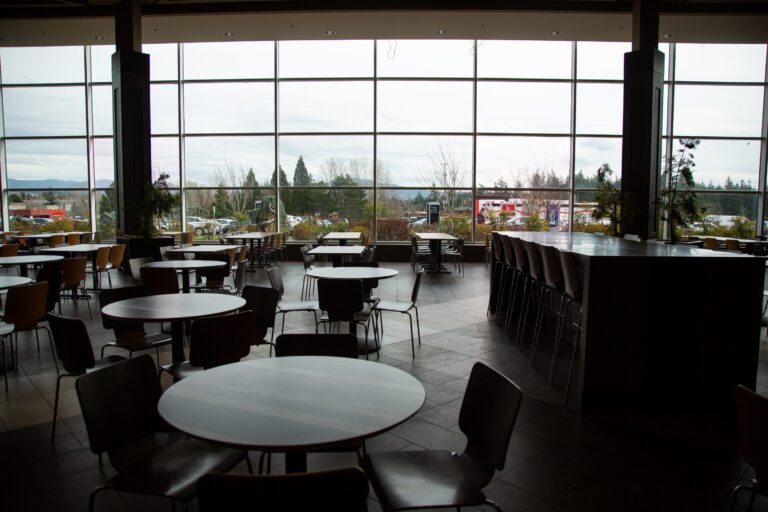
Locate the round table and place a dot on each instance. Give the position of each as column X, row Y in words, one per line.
column 185, row 266
column 11, row 281
column 352, row 273
column 174, row 308
column 292, row 404
column 23, row 261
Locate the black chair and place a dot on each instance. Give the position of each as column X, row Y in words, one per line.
column 119, row 405
column 160, row 281
column 342, row 300
column 336, row 345
column 130, row 335
column 214, row 341
column 553, row 285
column 404, row 308
column 752, row 411
column 338, row 490
column 284, row 307
column 262, row 302
column 435, row 478
column 53, row 277
column 73, row 349
column 215, row 276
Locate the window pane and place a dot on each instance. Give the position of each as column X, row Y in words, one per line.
column 104, row 162
column 723, row 207
column 720, row 62
column 101, row 63
column 105, row 213
column 425, row 106
column 43, row 65
column 326, row 59
column 326, row 107
column 229, row 60
column 165, row 158
column 403, row 211
column 718, row 161
column 425, row 161
column 328, row 160
column 211, row 159
column 599, row 108
column 591, row 153
column 583, row 214
column 718, row 110
column 318, row 211
column 164, row 108
column 44, row 111
column 68, row 207
column 599, row 60
column 523, row 107
column 522, row 162
column 229, row 108
column 47, row 163
column 521, row 210
column 102, row 110
column 415, row 58
column 524, row 59
column 163, row 61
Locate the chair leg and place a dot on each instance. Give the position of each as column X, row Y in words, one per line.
column 418, row 327
column 410, row 321
column 5, row 366
column 56, row 405
column 493, row 504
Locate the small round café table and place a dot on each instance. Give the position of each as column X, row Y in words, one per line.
column 185, row 266
column 23, row 261
column 175, row 308
column 11, row 281
column 292, row 404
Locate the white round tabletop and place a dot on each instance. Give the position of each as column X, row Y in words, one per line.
column 292, row 403
column 11, row 281
column 32, row 258
column 352, row 273
column 185, row 264
column 170, row 307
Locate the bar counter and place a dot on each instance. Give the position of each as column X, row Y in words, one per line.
column 664, row 327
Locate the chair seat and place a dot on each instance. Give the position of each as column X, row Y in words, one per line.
column 400, row 307
column 170, row 465
column 360, row 316
column 181, row 370
column 6, row 328
column 105, row 361
column 421, row 479
column 304, row 305
column 141, row 341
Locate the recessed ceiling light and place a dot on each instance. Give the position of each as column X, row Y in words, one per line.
column 666, row 36
column 441, row 32
column 98, row 38
column 229, row 34
column 330, row 32
column 554, row 33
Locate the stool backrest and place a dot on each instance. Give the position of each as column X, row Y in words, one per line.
column 553, row 275
column 521, row 264
column 534, row 259
column 570, row 277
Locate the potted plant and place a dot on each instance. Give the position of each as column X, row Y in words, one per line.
column 608, row 198
column 158, row 202
column 677, row 201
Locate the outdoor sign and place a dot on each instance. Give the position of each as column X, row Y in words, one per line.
column 433, row 212
column 553, row 215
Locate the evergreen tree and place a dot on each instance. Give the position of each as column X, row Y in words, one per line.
column 304, row 201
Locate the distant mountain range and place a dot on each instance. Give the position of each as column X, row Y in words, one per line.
column 54, row 184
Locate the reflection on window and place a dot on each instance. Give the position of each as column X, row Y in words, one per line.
column 600, row 60
column 163, row 61
column 718, row 110
column 591, row 154
column 417, row 58
column 720, row 62
column 326, row 107
column 229, row 108
column 424, row 161
column 165, row 158
column 402, row 211
column 523, row 107
column 345, row 160
column 324, row 59
column 524, row 59
column 44, row 111
column 42, row 65
column 103, row 162
column 49, row 211
column 599, row 109
column 211, row 161
column 229, row 60
column 425, row 106
column 522, row 162
column 53, row 163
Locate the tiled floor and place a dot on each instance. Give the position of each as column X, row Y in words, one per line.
column 557, row 460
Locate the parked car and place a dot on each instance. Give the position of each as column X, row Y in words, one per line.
column 41, row 220
column 203, row 226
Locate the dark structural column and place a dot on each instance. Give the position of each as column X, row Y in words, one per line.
column 643, row 89
column 130, row 98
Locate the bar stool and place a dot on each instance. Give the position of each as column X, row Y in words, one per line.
column 532, row 290
column 498, row 266
column 506, row 268
column 572, row 298
column 521, row 273
column 553, row 283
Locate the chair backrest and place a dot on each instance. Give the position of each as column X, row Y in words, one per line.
column 135, row 264
column 497, row 246
column 731, row 244
column 215, row 274
column 72, row 272
column 521, row 262
column 487, row 417
column 320, row 344
column 9, row 250
column 73, row 239
column 188, row 238
column 72, row 343
column 416, row 286
column 507, row 251
column 53, row 277
column 570, row 276
column 534, row 259
column 341, row 490
column 219, row 340
column 56, row 240
column 242, row 270
column 307, row 259
column 371, row 253
column 102, row 258
column 262, row 301
column 709, row 243
column 273, row 273
column 108, row 296
column 159, row 281
column 25, row 305
column 243, row 254
column 553, row 276
column 340, row 298
column 119, row 405
column 116, row 254
column 752, row 412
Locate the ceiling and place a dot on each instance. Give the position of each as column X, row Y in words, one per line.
column 75, row 22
